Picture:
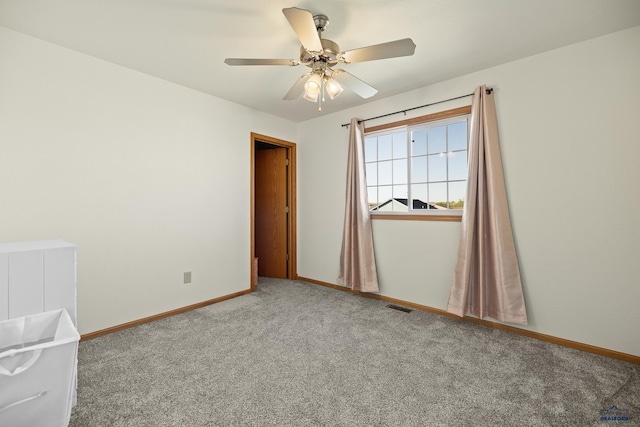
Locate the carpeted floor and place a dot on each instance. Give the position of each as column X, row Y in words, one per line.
column 298, row 354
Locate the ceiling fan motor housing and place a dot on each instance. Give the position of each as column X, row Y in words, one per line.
column 330, row 49
column 329, row 54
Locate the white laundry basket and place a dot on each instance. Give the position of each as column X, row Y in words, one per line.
column 38, row 359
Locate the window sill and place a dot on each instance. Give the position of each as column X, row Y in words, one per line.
column 418, row 217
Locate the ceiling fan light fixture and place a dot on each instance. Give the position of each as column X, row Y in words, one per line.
column 334, row 89
column 312, row 88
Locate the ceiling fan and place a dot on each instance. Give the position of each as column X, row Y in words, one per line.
column 322, row 55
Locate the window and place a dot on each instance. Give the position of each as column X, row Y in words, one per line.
column 418, row 168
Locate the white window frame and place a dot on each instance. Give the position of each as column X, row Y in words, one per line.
column 424, row 122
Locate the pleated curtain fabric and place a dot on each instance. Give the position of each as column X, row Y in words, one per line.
column 357, row 258
column 486, row 280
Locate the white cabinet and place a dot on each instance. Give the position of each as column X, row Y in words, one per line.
column 36, row 277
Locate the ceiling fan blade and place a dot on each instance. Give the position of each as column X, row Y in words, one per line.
column 394, row 49
column 305, row 28
column 297, row 88
column 257, row 61
column 354, row 84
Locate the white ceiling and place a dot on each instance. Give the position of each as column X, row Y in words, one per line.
column 186, row 41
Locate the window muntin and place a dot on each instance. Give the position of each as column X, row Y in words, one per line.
column 418, row 169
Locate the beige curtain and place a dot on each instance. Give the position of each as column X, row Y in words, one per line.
column 486, row 280
column 357, row 259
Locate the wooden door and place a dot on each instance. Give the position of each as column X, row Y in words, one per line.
column 271, row 212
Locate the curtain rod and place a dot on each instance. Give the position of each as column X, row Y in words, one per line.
column 346, row 125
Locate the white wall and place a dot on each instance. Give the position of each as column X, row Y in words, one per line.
column 140, row 173
column 148, row 178
column 570, row 145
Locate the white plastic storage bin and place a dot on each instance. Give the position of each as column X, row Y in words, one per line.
column 38, row 359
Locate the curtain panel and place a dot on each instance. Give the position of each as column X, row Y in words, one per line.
column 357, row 258
column 486, row 279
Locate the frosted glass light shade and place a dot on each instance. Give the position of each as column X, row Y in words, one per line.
column 333, row 88
column 313, row 97
column 312, row 88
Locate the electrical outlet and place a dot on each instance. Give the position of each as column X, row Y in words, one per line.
column 187, row 277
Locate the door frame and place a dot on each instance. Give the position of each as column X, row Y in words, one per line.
column 292, row 267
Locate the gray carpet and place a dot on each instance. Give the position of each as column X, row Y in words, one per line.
column 298, row 354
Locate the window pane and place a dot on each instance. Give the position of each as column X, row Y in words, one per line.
column 384, row 147
column 437, row 139
column 400, row 192
column 400, row 145
column 372, row 196
column 384, row 195
column 419, row 169
column 458, row 136
column 370, row 149
column 400, row 198
column 458, row 165
column 384, row 173
column 372, row 173
column 438, row 194
column 437, row 168
column 419, row 142
column 400, row 171
column 457, row 192
column 419, row 195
